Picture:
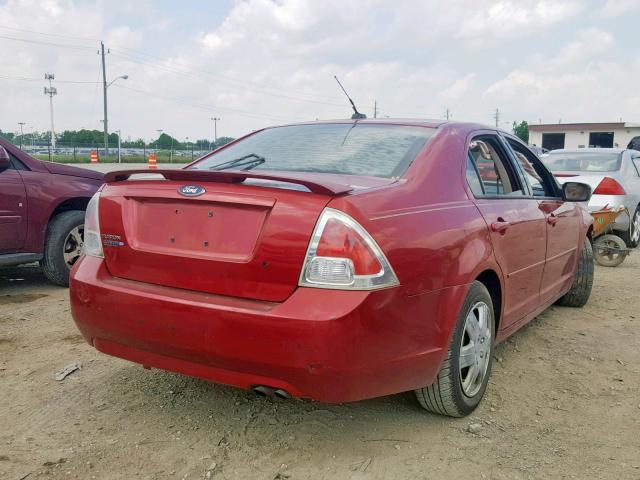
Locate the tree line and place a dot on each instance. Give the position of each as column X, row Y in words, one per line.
column 86, row 137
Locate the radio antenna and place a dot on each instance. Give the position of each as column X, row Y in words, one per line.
column 356, row 114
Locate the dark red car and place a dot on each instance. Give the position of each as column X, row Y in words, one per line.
column 42, row 208
column 334, row 260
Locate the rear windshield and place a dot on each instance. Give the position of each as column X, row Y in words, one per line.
column 583, row 162
column 352, row 149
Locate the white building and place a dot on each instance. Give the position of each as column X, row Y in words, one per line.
column 582, row 135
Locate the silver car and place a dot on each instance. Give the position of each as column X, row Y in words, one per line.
column 614, row 176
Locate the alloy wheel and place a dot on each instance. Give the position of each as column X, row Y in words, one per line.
column 475, row 349
column 635, row 227
column 73, row 245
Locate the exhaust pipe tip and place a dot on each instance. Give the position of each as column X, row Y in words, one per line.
column 281, row 394
column 265, row 391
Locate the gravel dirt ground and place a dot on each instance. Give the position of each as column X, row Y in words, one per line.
column 563, row 402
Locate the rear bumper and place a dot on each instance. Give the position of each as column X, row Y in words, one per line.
column 332, row 346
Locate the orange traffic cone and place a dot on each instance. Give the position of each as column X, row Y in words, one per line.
column 94, row 156
column 153, row 161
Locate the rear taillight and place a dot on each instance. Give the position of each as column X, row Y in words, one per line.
column 608, row 186
column 343, row 255
column 92, row 241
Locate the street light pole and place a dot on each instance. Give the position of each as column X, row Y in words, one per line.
column 21, row 133
column 51, row 91
column 215, row 129
column 105, row 86
column 119, row 155
column 104, row 99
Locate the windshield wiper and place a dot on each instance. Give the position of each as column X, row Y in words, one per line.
column 243, row 163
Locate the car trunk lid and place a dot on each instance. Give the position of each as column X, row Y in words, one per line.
column 231, row 239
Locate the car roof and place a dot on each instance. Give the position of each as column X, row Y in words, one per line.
column 414, row 122
column 587, row 150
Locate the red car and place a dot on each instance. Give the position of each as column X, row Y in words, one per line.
column 42, row 208
column 336, row 261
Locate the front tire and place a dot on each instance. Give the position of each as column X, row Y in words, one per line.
column 580, row 291
column 463, row 378
column 63, row 246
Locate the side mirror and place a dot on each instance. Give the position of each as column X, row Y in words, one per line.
column 576, row 192
column 5, row 161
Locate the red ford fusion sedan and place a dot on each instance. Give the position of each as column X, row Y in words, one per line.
column 336, row 261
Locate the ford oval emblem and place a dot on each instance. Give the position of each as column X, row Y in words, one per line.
column 191, row 190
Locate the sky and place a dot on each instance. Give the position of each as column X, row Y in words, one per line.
column 254, row 63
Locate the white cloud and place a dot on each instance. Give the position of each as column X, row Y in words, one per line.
column 509, row 18
column 584, row 49
column 598, row 93
column 614, row 8
column 266, row 62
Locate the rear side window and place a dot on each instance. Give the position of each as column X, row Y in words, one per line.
column 352, row 149
column 473, row 178
column 496, row 173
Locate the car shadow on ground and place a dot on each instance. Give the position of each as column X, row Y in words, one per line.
column 14, row 280
column 171, row 402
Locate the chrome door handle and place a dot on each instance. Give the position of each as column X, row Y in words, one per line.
column 500, row 226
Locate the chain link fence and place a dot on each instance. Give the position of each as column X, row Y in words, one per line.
column 81, row 153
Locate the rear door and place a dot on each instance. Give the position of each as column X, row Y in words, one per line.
column 517, row 225
column 13, row 210
column 562, row 219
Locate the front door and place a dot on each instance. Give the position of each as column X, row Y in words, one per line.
column 518, row 227
column 563, row 223
column 13, row 208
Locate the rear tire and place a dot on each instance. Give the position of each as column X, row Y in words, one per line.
column 580, row 291
column 63, row 245
column 632, row 236
column 454, row 392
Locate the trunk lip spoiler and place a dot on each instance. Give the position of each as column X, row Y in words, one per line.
column 231, row 176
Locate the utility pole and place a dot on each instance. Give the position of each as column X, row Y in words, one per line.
column 447, row 113
column 119, row 153
column 497, row 117
column 104, row 98
column 215, row 129
column 21, row 133
column 51, row 91
column 375, row 109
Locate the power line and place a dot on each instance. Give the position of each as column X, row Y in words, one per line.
column 49, row 34
column 51, row 44
column 208, row 107
column 198, row 74
column 233, row 81
column 177, row 69
column 33, row 79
